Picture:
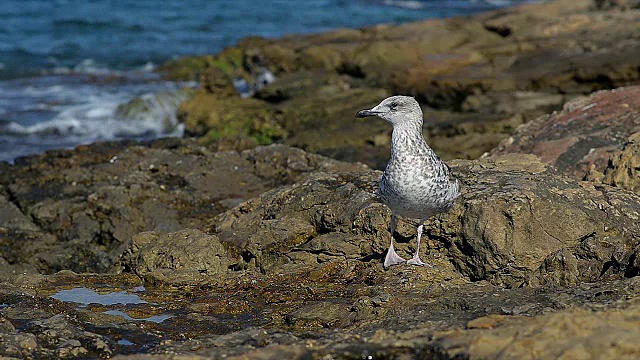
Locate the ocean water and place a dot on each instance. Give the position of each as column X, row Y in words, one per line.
column 67, row 65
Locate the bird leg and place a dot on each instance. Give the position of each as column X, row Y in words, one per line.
column 392, row 258
column 415, row 260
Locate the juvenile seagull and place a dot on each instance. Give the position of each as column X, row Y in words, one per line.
column 416, row 181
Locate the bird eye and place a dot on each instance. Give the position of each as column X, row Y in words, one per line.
column 394, row 105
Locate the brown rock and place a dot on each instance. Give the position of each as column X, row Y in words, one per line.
column 486, row 322
column 623, row 170
column 51, row 337
column 338, row 309
column 298, row 224
column 525, row 225
column 570, row 334
column 518, row 223
column 12, row 217
column 187, row 251
column 89, row 203
column 321, row 314
column 588, row 131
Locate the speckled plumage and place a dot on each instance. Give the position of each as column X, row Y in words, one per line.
column 416, row 183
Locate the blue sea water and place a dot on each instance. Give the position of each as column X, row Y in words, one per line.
column 66, row 65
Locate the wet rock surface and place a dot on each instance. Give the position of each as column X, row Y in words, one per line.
column 478, row 78
column 79, row 209
column 296, row 271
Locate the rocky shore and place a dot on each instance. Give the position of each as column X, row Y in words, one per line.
column 478, row 78
column 222, row 246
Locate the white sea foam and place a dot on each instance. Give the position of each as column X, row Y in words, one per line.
column 147, row 67
column 86, row 66
column 64, row 111
column 498, row 2
column 406, row 4
column 96, row 120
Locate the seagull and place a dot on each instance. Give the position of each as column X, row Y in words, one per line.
column 416, row 183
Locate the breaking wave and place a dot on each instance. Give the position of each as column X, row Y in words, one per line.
column 64, row 111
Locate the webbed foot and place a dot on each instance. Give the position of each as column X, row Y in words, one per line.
column 392, row 258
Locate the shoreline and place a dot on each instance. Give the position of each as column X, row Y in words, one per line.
column 89, row 67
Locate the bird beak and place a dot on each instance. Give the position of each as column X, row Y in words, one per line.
column 365, row 113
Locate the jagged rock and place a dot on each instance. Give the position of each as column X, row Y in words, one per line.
column 12, row 217
column 306, row 256
column 623, row 169
column 265, row 257
column 340, row 309
column 186, row 252
column 330, row 215
column 55, row 336
column 521, row 223
column 518, row 223
column 80, row 209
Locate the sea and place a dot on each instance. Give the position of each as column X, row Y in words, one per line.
column 68, row 66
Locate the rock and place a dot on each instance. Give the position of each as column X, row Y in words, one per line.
column 19, row 248
column 622, row 4
column 215, row 118
column 80, row 209
column 282, row 112
column 302, row 258
column 518, row 217
column 71, row 349
column 17, row 232
column 53, row 337
column 12, row 217
column 187, row 251
column 6, row 326
column 327, row 216
column 321, row 314
column 587, row 132
column 575, row 333
column 623, row 169
column 518, row 223
column 276, row 253
column 336, row 308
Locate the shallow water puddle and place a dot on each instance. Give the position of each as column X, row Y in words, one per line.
column 85, row 296
column 156, row 318
column 125, row 342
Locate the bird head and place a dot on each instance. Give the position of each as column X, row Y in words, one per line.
column 398, row 110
